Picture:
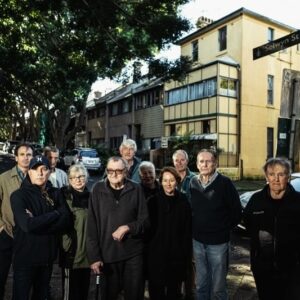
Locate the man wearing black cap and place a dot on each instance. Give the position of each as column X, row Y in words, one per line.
column 40, row 213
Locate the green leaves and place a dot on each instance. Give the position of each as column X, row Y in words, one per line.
column 52, row 51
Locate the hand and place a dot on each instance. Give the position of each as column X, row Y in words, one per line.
column 96, row 267
column 29, row 213
column 120, row 233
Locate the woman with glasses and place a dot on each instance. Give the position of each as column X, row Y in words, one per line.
column 76, row 271
column 169, row 249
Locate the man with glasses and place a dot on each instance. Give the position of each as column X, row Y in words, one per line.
column 9, row 182
column 117, row 218
column 216, row 210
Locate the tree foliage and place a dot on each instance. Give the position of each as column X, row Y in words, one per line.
column 52, row 51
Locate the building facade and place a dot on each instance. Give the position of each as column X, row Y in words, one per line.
column 230, row 101
column 132, row 111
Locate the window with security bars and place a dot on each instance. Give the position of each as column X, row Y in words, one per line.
column 270, row 99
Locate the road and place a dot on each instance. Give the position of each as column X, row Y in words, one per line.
column 240, row 281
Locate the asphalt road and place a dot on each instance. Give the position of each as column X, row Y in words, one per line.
column 240, row 281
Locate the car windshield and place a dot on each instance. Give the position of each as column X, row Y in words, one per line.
column 296, row 184
column 89, row 153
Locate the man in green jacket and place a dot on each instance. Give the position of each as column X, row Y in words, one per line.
column 9, row 182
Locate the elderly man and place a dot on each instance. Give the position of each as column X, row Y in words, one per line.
column 180, row 162
column 9, row 182
column 127, row 151
column 272, row 220
column 40, row 214
column 216, row 210
column 117, row 217
column 57, row 177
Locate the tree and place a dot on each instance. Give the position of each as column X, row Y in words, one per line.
column 52, row 51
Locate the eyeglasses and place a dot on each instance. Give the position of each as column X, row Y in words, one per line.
column 117, row 171
column 80, row 177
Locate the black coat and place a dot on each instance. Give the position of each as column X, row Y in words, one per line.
column 169, row 245
column 36, row 237
column 106, row 214
column 274, row 227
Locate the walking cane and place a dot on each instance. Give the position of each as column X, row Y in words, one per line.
column 98, row 292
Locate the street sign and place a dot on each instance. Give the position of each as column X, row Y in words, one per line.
column 277, row 45
column 164, row 142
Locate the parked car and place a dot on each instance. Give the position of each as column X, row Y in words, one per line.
column 37, row 148
column 10, row 146
column 87, row 156
column 245, row 197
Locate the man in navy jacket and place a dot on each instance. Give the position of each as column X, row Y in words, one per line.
column 40, row 214
column 216, row 210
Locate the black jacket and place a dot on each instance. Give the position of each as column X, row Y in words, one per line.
column 274, row 228
column 216, row 210
column 169, row 245
column 106, row 214
column 36, row 237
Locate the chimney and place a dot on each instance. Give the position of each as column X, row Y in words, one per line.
column 203, row 22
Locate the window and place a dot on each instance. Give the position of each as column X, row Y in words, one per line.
column 199, row 90
column 206, row 126
column 223, row 38
column 228, row 87
column 114, row 109
column 101, row 112
column 270, row 89
column 126, row 106
column 270, row 142
column 195, row 50
column 270, row 34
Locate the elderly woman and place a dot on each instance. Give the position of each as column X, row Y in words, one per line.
column 148, row 182
column 170, row 246
column 73, row 258
column 272, row 218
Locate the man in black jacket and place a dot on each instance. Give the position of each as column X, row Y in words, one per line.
column 272, row 220
column 216, row 210
column 117, row 217
column 40, row 213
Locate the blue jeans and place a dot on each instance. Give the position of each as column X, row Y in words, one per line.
column 211, row 270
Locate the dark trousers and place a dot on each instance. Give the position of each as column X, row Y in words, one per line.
column 126, row 275
column 171, row 291
column 33, row 278
column 273, row 284
column 5, row 260
column 76, row 284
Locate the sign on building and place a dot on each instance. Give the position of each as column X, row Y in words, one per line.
column 277, row 45
column 164, row 142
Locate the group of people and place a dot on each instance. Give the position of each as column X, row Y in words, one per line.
column 171, row 233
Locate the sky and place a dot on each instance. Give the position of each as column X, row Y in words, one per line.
column 285, row 11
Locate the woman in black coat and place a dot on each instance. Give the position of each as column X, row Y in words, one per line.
column 169, row 248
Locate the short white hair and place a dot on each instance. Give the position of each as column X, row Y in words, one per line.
column 129, row 143
column 180, row 151
column 146, row 165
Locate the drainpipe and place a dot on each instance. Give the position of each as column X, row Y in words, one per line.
column 293, row 116
column 240, row 162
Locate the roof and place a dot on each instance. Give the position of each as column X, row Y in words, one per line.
column 229, row 17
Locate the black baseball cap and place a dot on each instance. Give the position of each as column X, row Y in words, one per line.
column 38, row 161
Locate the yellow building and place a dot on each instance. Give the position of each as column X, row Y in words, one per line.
column 230, row 101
